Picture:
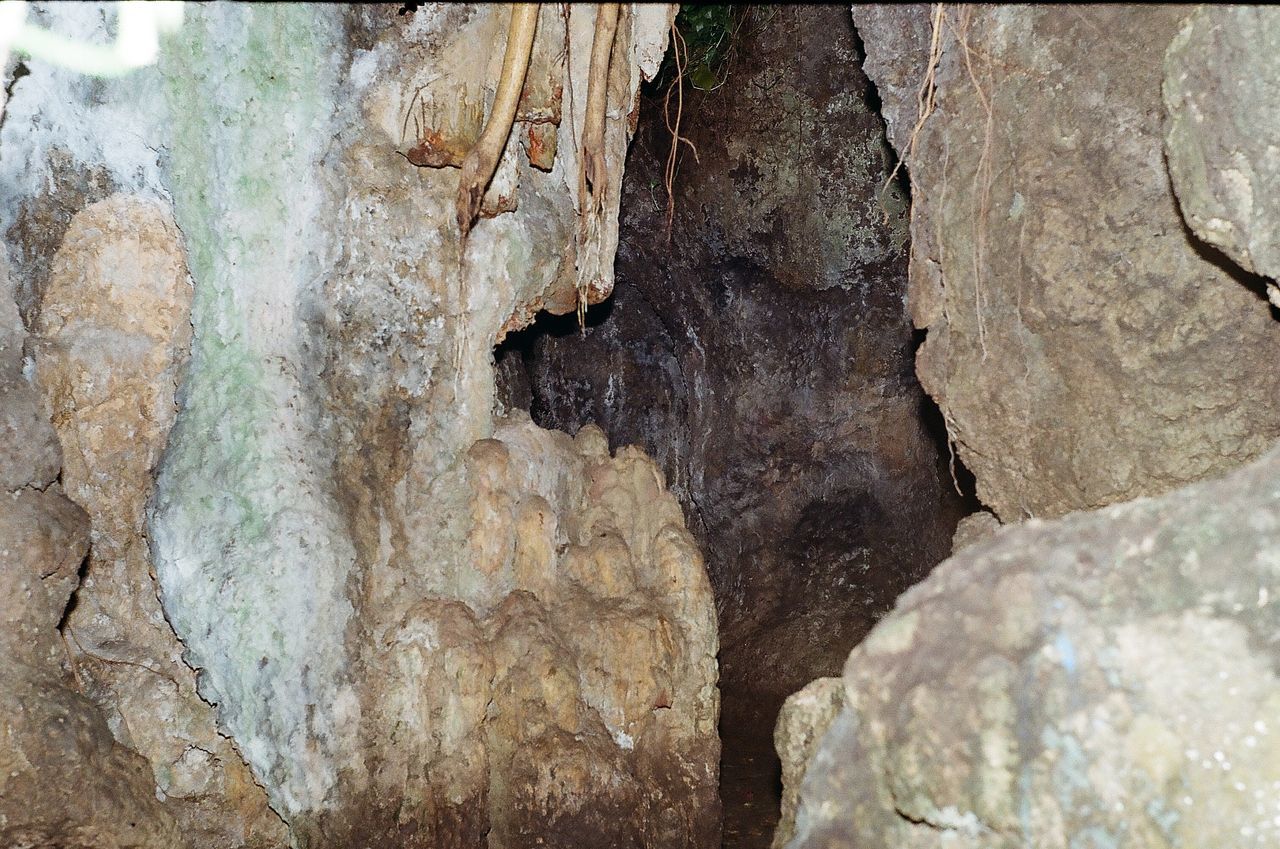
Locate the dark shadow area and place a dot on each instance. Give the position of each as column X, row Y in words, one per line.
column 765, row 359
column 1255, row 283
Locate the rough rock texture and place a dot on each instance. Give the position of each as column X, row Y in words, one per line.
column 581, row 676
column 1221, row 96
column 1083, row 348
column 373, row 597
column 64, row 780
column 113, row 328
column 764, row 358
column 1104, row 679
column 804, row 718
column 974, row 528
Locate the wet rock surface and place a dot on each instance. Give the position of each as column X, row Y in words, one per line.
column 1083, row 347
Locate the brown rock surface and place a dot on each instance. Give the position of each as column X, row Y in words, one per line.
column 64, row 780
column 112, row 335
column 1083, row 348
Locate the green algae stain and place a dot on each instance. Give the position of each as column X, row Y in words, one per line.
column 251, row 91
column 241, row 82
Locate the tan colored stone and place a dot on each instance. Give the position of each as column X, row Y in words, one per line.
column 110, row 343
column 1084, row 347
column 804, row 718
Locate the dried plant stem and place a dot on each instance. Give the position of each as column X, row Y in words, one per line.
column 482, row 160
column 591, row 179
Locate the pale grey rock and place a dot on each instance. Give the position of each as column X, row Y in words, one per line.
column 29, row 453
column 973, row 529
column 802, row 722
column 1222, row 95
column 1106, row 677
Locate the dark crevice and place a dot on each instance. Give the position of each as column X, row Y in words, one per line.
column 20, row 70
column 765, row 359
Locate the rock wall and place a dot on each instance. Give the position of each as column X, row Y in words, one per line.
column 1084, row 348
column 1109, row 677
column 65, row 780
column 764, row 356
column 389, row 600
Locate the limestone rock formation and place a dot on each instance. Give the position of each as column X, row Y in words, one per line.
column 64, row 780
column 112, row 330
column 802, row 722
column 764, row 357
column 1220, row 91
column 1083, row 348
column 406, row 626
column 1107, row 677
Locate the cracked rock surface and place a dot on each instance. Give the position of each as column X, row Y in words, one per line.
column 1084, row 348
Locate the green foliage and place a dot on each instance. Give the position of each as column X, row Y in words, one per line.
column 709, row 34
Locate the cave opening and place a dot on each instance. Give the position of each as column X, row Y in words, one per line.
column 764, row 357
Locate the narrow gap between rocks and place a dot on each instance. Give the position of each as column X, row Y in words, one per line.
column 765, row 359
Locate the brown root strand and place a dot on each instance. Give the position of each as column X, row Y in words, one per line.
column 679, row 52
column 482, row 160
column 591, row 179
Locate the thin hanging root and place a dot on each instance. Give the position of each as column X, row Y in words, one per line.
column 482, row 160
column 591, row 178
column 925, row 98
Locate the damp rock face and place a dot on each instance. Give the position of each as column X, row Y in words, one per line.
column 1084, row 348
column 764, row 357
column 266, row 357
column 1107, row 676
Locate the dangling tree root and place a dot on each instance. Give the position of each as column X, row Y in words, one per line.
column 482, row 160
column 591, row 178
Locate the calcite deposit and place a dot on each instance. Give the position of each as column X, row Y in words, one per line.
column 112, row 331
column 65, row 780
column 321, row 597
